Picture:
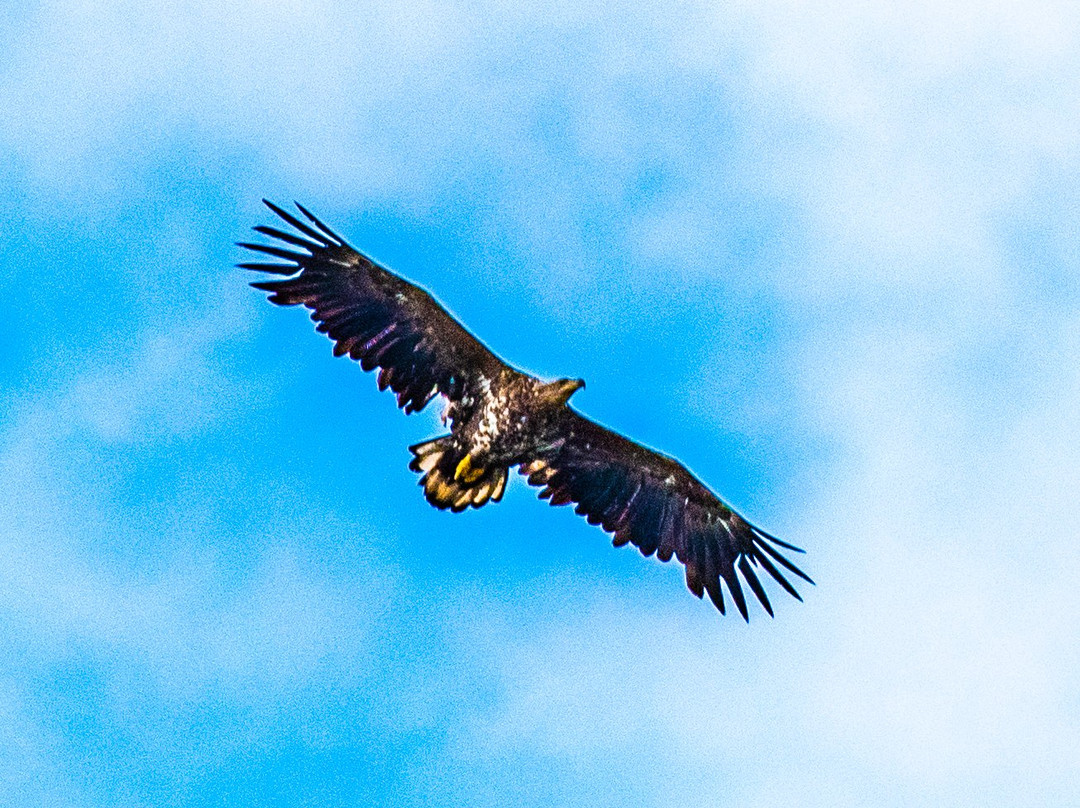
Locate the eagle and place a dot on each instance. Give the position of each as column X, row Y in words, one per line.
column 501, row 417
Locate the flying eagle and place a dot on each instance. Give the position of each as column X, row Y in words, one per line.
column 501, row 417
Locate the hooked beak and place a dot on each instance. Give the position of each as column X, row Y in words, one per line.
column 564, row 388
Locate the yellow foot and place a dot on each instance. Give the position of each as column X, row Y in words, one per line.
column 466, row 472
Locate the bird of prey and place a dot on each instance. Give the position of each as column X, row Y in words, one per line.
column 501, row 417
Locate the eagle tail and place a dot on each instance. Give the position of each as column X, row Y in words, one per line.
column 444, row 485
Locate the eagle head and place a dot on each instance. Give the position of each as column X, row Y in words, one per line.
column 559, row 392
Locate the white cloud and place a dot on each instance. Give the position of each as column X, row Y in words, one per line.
column 940, row 662
column 250, row 628
column 936, row 658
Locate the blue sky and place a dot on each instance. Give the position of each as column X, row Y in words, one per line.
column 825, row 253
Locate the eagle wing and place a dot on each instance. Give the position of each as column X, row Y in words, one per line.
column 651, row 501
column 371, row 314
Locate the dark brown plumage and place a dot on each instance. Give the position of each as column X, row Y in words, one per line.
column 501, row 418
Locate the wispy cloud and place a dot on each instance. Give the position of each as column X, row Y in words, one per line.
column 853, row 227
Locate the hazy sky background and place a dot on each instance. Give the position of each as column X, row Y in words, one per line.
column 826, row 253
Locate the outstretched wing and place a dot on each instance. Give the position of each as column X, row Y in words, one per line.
column 371, row 314
column 652, row 501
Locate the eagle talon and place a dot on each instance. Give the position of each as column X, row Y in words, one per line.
column 466, row 472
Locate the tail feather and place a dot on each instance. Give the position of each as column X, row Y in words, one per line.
column 436, row 460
